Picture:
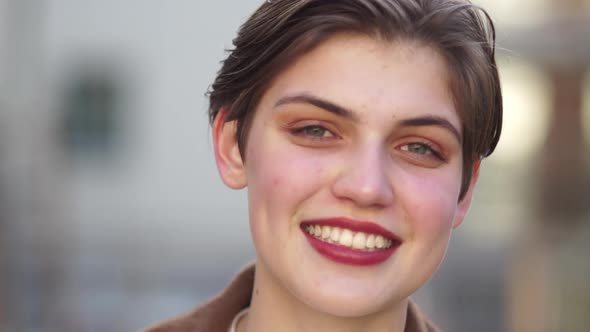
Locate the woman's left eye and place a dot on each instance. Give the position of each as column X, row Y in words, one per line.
column 421, row 149
column 417, row 148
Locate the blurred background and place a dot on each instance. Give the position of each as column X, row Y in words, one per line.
column 112, row 216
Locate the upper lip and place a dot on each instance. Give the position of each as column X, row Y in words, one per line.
column 354, row 225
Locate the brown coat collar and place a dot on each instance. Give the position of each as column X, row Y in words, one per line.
column 216, row 315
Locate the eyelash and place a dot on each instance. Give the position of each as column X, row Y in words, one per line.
column 430, row 149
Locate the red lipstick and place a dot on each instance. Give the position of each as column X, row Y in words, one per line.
column 347, row 255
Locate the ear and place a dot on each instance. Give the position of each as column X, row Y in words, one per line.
column 463, row 205
column 227, row 154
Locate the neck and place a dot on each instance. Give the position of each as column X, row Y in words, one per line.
column 274, row 308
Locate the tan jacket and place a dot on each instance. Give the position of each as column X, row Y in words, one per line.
column 217, row 314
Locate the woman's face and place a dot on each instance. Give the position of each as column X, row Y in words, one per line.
column 359, row 143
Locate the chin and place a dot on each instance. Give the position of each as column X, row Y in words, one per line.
column 348, row 302
column 349, row 308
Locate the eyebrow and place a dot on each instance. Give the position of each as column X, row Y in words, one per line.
column 422, row 121
column 318, row 102
column 432, row 120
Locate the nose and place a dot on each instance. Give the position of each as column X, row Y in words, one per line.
column 364, row 179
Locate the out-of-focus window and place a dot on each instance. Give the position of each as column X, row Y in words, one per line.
column 91, row 103
column 527, row 101
column 518, row 13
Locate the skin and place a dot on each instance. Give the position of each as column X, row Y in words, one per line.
column 377, row 160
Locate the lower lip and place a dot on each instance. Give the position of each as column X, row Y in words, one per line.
column 347, row 255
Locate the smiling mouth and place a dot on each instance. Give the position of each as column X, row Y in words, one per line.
column 349, row 241
column 348, row 238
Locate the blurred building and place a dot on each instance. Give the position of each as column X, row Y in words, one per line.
column 111, row 207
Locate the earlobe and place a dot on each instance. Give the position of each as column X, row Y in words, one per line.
column 465, row 203
column 227, row 154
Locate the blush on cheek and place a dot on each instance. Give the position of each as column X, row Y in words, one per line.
column 441, row 203
column 276, row 181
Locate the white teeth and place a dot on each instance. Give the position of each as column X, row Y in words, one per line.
column 317, row 231
column 379, row 242
column 371, row 242
column 325, row 232
column 335, row 234
column 359, row 241
column 348, row 238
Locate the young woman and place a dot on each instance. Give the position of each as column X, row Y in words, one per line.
column 358, row 127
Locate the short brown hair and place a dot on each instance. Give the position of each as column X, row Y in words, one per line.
column 282, row 30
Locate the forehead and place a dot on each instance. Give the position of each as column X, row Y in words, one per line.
column 371, row 77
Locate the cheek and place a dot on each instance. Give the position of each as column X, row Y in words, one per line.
column 429, row 217
column 280, row 179
column 433, row 204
